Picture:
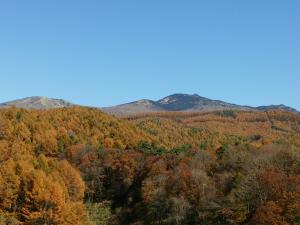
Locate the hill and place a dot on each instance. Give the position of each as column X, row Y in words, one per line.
column 223, row 127
column 54, row 130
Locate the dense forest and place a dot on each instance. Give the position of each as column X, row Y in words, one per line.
column 81, row 166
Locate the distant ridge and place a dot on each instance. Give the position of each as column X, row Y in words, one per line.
column 175, row 102
column 184, row 103
column 37, row 102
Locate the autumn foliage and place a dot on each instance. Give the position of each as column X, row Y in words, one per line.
column 82, row 166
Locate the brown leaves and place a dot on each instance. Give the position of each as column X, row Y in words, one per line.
column 268, row 214
column 41, row 190
column 9, row 185
column 72, row 180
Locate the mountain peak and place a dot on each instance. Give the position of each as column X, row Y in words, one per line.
column 179, row 97
column 37, row 102
column 174, row 102
column 190, row 102
column 184, row 102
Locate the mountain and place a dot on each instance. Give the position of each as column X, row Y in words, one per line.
column 175, row 102
column 185, row 103
column 37, row 102
column 281, row 106
column 140, row 106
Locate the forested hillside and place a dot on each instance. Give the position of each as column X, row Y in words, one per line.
column 81, row 166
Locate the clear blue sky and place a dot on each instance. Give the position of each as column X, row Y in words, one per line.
column 108, row 52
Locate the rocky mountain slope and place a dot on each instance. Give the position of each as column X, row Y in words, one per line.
column 175, row 102
column 37, row 102
column 281, row 106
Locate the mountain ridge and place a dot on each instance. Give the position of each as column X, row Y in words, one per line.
column 184, row 103
column 175, row 102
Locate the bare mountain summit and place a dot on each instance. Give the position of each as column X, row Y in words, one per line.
column 175, row 102
column 37, row 102
column 184, row 103
column 140, row 106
